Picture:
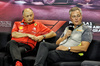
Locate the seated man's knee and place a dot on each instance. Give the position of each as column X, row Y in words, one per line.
column 10, row 43
column 43, row 44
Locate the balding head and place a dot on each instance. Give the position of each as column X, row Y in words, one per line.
column 27, row 9
column 28, row 15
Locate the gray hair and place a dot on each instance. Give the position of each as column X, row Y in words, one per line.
column 74, row 9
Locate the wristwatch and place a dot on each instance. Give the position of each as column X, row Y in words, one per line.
column 44, row 36
column 69, row 48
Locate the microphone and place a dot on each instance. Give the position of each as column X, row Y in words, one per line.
column 71, row 26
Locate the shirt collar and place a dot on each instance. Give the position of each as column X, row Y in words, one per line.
column 79, row 25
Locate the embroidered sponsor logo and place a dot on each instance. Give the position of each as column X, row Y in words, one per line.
column 35, row 24
column 22, row 23
column 34, row 28
column 21, row 27
column 20, row 31
column 33, row 32
column 79, row 30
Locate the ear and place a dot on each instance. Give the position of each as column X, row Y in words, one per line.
column 81, row 17
column 23, row 16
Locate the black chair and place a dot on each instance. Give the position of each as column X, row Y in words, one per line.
column 92, row 55
column 4, row 38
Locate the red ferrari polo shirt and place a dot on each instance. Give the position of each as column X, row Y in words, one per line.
column 35, row 28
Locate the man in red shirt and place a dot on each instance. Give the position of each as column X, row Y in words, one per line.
column 26, row 34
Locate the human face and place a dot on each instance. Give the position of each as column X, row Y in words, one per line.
column 76, row 17
column 28, row 15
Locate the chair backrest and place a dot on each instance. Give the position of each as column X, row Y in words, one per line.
column 4, row 38
column 93, row 52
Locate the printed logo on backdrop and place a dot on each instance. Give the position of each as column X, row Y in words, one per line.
column 95, row 28
column 5, row 23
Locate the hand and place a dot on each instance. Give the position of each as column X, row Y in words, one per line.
column 68, row 33
column 40, row 38
column 32, row 37
column 63, row 48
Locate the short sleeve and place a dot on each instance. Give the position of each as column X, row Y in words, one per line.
column 44, row 29
column 87, row 35
column 15, row 27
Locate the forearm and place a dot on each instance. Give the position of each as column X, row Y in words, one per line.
column 18, row 34
column 64, row 37
column 50, row 35
column 83, row 48
column 60, row 40
column 77, row 49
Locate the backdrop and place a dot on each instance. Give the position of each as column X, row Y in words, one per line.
column 11, row 11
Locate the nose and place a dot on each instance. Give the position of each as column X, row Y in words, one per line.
column 76, row 18
column 29, row 17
